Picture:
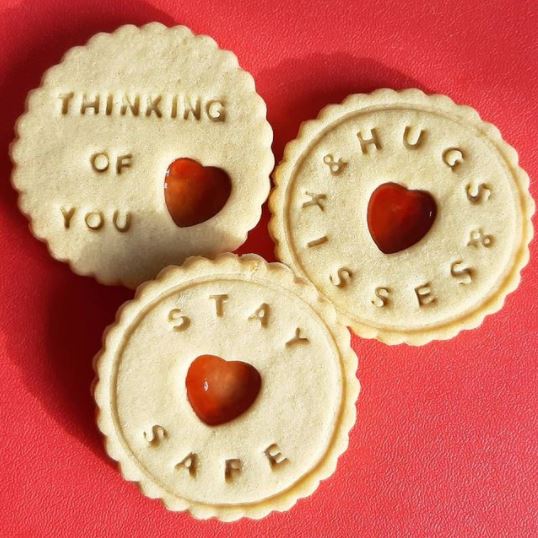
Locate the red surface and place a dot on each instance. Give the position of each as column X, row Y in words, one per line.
column 445, row 444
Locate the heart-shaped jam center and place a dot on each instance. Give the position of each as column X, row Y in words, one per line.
column 398, row 218
column 220, row 390
column 194, row 193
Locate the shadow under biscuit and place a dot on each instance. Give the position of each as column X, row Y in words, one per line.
column 53, row 337
column 259, row 241
column 77, row 317
column 307, row 84
column 304, row 86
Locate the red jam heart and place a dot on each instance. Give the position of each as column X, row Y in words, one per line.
column 194, row 193
column 220, row 390
column 398, row 217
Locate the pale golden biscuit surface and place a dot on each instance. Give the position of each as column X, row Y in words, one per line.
column 240, row 309
column 98, row 136
column 464, row 266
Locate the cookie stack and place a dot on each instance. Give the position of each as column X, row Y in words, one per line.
column 227, row 386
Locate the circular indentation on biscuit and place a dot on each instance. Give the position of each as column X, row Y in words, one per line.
column 471, row 253
column 252, row 443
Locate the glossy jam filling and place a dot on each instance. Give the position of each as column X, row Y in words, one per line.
column 194, row 193
column 398, row 218
column 219, row 390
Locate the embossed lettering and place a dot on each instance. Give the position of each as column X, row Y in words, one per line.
column 94, row 220
column 261, row 314
column 89, row 104
column 274, row 456
column 464, row 274
column 100, row 161
column 181, row 322
column 453, row 157
column 190, row 463
column 215, row 110
column 315, row 200
column 418, row 139
column 477, row 238
column 125, row 225
column 335, row 167
column 372, row 141
column 424, row 295
column 66, row 99
column 232, row 467
column 170, row 106
column 68, row 215
column 132, row 106
column 153, row 106
column 219, row 303
column 189, row 108
column 157, row 435
column 316, row 242
column 475, row 195
column 109, row 103
column 173, row 111
column 342, row 277
column 123, row 161
column 382, row 297
column 297, row 338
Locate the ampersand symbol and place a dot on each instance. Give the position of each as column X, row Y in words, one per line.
column 477, row 237
column 334, row 166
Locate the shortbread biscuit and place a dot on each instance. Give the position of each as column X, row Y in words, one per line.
column 144, row 147
column 406, row 211
column 226, row 388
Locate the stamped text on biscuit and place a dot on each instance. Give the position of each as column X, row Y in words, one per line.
column 100, row 163
column 373, row 143
column 139, row 105
column 260, row 314
column 178, row 320
column 188, row 464
column 112, row 163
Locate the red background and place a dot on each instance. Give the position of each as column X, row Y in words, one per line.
column 445, row 443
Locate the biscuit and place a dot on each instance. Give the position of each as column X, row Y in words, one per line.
column 226, row 388
column 141, row 148
column 405, row 210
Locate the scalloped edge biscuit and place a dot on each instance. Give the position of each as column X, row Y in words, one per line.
column 265, row 139
column 249, row 265
column 309, row 129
